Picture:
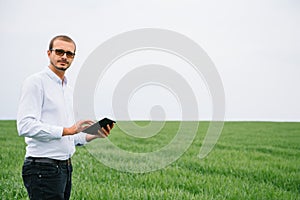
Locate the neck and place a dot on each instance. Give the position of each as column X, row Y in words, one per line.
column 60, row 73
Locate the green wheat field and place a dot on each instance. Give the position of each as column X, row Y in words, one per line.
column 252, row 160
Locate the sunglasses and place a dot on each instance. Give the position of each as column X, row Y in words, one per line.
column 61, row 52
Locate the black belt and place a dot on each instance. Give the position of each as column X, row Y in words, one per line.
column 49, row 161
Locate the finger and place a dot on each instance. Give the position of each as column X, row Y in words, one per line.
column 90, row 122
column 108, row 128
column 85, row 124
column 101, row 134
column 105, row 132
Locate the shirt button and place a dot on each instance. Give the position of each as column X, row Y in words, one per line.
column 40, row 176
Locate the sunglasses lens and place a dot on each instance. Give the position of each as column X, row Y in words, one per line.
column 59, row 52
column 70, row 54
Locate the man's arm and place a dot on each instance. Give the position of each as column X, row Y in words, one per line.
column 29, row 112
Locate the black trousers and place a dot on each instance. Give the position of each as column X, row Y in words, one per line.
column 47, row 180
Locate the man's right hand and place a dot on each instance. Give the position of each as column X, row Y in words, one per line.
column 77, row 127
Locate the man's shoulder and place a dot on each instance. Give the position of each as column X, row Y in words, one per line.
column 37, row 76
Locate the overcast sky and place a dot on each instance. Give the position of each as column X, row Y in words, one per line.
column 254, row 45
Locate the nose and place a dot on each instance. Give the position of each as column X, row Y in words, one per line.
column 64, row 56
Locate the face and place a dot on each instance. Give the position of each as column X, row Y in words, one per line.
column 61, row 62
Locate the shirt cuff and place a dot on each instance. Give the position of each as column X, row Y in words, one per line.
column 80, row 138
column 56, row 131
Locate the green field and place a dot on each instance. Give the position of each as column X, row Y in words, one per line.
column 252, row 160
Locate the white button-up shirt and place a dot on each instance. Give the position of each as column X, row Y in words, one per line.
column 45, row 107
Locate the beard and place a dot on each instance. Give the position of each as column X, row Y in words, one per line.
column 61, row 68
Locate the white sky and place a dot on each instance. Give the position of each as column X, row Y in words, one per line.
column 254, row 45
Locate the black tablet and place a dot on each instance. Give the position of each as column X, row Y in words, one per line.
column 93, row 129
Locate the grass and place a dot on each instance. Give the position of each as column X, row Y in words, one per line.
column 252, row 160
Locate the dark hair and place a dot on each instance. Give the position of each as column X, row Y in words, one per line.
column 61, row 37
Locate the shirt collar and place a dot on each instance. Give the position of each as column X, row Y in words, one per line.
column 54, row 77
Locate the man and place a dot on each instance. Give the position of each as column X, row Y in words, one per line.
column 45, row 118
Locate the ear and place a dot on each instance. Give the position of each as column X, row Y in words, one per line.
column 48, row 53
